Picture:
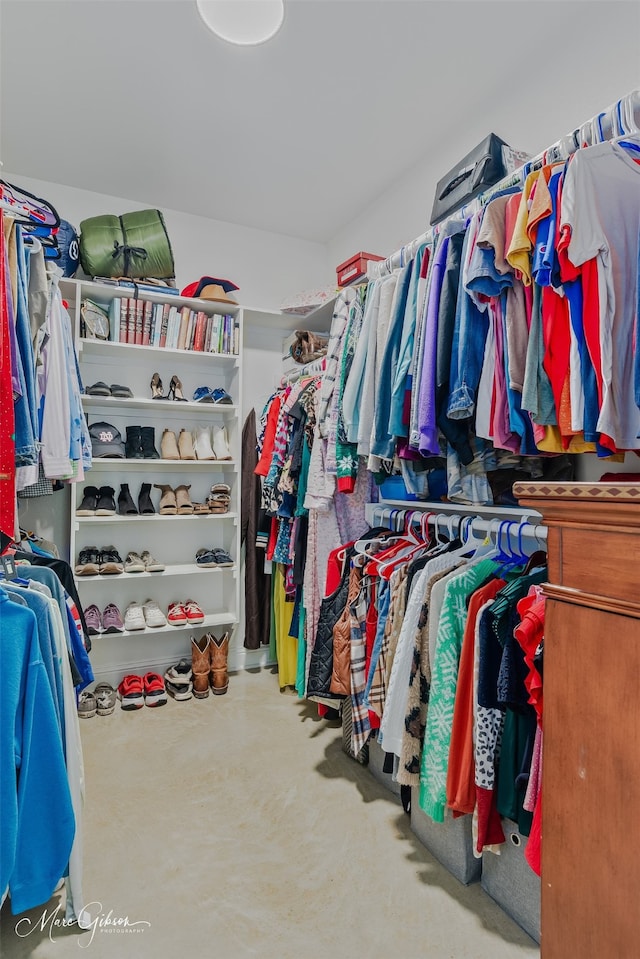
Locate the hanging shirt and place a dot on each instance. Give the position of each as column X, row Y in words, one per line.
column 601, row 209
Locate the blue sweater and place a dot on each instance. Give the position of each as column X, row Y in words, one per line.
column 38, row 825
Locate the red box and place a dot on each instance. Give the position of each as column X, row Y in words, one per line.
column 354, row 268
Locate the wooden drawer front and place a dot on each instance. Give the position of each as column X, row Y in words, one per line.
column 591, row 785
column 603, row 563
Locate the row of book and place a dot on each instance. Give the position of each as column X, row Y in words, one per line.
column 175, row 328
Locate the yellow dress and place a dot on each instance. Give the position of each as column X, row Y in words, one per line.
column 286, row 646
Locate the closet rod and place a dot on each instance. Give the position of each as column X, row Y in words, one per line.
column 522, row 526
column 617, row 120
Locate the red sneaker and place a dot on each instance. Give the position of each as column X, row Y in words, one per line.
column 194, row 614
column 131, row 692
column 176, row 614
column 155, row 693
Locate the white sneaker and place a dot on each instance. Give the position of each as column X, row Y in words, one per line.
column 153, row 615
column 134, row 617
column 221, row 443
column 202, row 445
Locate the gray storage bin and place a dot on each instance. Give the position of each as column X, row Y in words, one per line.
column 512, row 883
column 376, row 767
column 449, row 841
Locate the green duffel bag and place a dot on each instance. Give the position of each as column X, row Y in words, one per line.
column 135, row 245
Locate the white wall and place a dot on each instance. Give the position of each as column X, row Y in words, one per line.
column 402, row 212
column 268, row 267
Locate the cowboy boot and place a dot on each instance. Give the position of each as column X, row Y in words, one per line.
column 219, row 656
column 200, row 665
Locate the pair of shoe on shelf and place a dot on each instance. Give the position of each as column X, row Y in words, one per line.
column 214, row 558
column 217, row 395
column 101, row 501
column 175, row 389
column 175, row 501
column 94, row 562
column 134, row 692
column 185, row 614
column 209, row 658
column 126, row 505
column 136, row 617
column 103, row 389
column 101, row 701
column 140, row 443
column 196, row 445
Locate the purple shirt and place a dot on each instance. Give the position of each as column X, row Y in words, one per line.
column 427, row 395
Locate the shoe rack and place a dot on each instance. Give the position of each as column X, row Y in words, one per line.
column 172, row 539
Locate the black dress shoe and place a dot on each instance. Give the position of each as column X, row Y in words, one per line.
column 126, row 506
column 106, row 503
column 89, row 502
column 145, row 505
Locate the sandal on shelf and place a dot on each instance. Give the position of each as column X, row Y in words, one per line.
column 200, row 509
column 105, row 696
column 218, row 502
column 156, row 387
column 175, row 390
column 183, row 500
column 221, row 488
column 168, row 503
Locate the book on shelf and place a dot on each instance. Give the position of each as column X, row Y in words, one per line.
column 114, row 321
column 182, row 331
column 193, row 317
column 139, row 321
column 164, row 326
column 215, row 334
column 156, row 324
column 124, row 319
column 198, row 337
column 147, row 309
column 129, row 323
column 207, row 334
column 236, row 337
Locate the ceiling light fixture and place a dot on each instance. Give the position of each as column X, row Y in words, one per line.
column 245, row 22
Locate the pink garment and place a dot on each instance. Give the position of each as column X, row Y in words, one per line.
column 503, row 437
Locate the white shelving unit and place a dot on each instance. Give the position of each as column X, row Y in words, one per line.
column 173, row 540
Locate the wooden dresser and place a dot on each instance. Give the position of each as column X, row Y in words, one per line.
column 591, row 753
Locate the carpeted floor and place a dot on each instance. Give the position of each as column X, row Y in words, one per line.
column 236, row 827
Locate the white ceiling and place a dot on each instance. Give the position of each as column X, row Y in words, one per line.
column 136, row 99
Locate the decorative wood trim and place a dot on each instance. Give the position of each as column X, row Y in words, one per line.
column 615, row 492
column 576, row 597
column 598, row 506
